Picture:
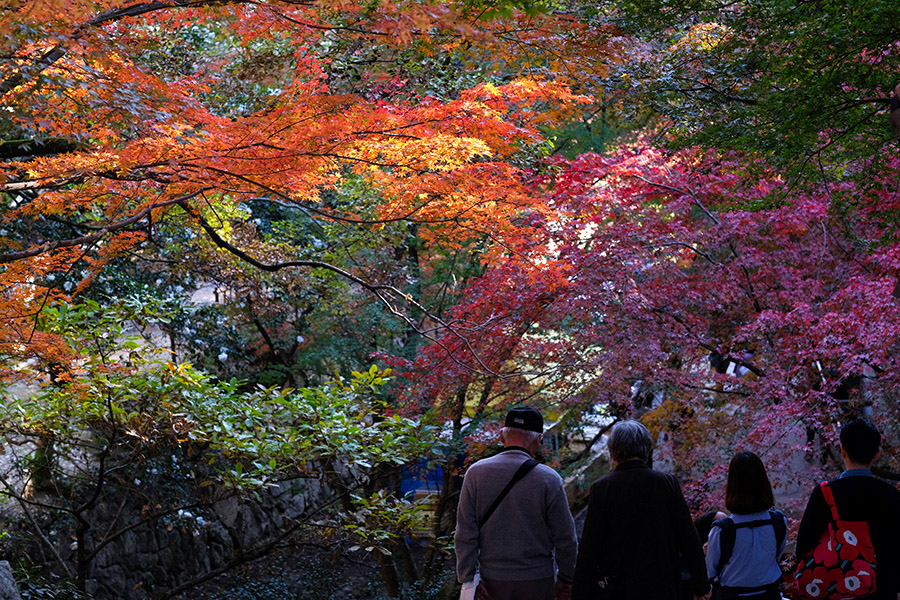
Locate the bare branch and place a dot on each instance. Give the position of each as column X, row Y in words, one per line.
column 23, row 503
column 689, row 247
column 687, row 193
column 94, row 237
column 389, row 295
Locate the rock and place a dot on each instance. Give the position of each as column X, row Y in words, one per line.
column 8, row 589
column 227, row 510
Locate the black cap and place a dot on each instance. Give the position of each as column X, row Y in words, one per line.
column 525, row 417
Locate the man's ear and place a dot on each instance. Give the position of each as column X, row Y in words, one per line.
column 876, row 457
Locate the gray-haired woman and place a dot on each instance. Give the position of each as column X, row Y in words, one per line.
column 638, row 532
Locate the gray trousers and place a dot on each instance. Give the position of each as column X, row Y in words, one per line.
column 532, row 589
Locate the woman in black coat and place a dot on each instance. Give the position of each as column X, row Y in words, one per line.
column 638, row 532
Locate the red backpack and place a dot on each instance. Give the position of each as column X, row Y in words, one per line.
column 842, row 563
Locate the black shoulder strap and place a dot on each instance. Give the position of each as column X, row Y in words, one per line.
column 780, row 527
column 727, row 537
column 520, row 473
column 726, row 542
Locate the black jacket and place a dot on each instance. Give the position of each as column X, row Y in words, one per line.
column 860, row 498
column 638, row 534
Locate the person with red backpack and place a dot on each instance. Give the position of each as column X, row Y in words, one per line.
column 848, row 544
column 744, row 549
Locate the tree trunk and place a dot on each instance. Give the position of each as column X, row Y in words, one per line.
column 389, row 574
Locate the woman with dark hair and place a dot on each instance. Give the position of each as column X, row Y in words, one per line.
column 744, row 548
column 703, row 524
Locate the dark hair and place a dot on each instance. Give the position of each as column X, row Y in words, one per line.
column 748, row 489
column 861, row 440
column 703, row 524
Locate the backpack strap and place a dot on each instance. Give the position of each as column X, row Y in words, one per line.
column 829, row 499
column 729, row 533
column 780, row 527
column 726, row 543
column 523, row 470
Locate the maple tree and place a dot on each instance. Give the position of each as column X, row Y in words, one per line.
column 411, row 180
column 148, row 149
column 656, row 270
column 298, row 156
column 764, row 248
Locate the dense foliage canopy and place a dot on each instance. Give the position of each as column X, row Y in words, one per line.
column 217, row 215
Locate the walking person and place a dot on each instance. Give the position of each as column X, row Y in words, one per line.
column 638, row 532
column 857, row 498
column 744, row 549
column 523, row 544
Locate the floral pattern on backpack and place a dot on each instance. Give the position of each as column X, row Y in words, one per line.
column 842, row 564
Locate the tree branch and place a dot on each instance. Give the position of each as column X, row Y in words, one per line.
column 687, row 193
column 23, row 503
column 94, row 237
column 689, row 247
column 387, row 294
column 113, row 14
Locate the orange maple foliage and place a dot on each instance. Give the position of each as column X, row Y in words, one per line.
column 141, row 144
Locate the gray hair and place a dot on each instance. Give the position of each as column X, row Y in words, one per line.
column 520, row 437
column 629, row 439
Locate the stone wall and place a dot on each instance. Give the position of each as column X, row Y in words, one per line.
column 144, row 562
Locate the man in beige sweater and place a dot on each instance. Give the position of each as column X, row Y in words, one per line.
column 525, row 548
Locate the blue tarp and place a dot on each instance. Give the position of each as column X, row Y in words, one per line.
column 421, row 476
